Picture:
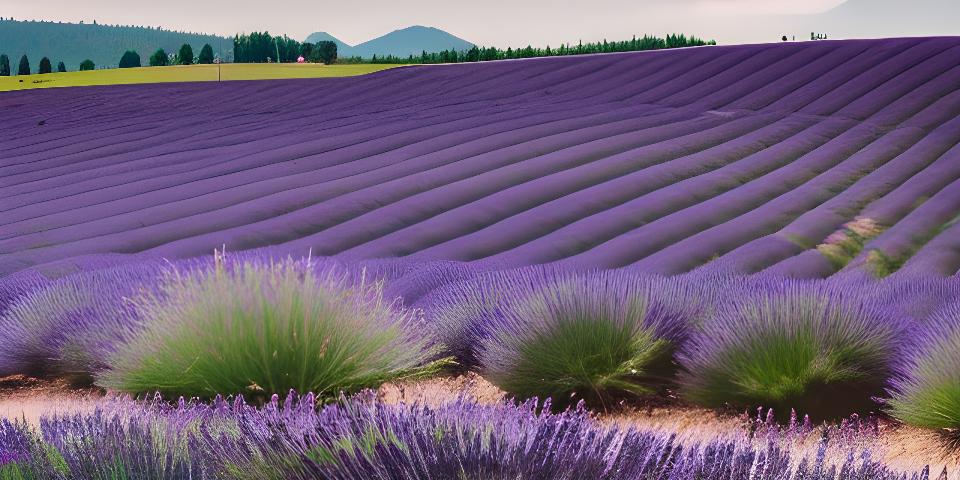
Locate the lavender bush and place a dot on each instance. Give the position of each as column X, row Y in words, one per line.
column 261, row 328
column 69, row 326
column 592, row 336
column 926, row 388
column 792, row 345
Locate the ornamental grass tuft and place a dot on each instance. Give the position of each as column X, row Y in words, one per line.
column 791, row 345
column 597, row 337
column 258, row 329
column 925, row 391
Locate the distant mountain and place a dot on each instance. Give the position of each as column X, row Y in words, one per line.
column 104, row 44
column 399, row 43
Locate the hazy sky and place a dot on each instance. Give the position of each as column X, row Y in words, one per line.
column 491, row 22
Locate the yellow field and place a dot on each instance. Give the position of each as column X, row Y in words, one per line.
column 191, row 73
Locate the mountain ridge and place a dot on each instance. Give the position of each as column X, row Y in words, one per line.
column 400, row 43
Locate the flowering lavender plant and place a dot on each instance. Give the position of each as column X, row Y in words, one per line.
column 792, row 344
column 260, row 328
column 593, row 336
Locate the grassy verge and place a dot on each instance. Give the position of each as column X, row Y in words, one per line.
column 188, row 73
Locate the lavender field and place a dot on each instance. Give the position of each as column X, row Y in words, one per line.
column 767, row 228
column 735, row 159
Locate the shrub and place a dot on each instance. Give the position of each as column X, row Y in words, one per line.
column 130, row 59
column 87, row 65
column 61, row 67
column 791, row 345
column 926, row 388
column 159, row 58
column 593, row 337
column 69, row 326
column 258, row 329
column 462, row 313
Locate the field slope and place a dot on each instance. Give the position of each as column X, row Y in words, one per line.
column 804, row 159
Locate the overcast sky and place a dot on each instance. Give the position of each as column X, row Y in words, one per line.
column 491, row 22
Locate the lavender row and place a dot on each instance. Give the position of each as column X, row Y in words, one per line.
column 362, row 438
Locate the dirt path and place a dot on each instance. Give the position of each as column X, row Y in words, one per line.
column 28, row 398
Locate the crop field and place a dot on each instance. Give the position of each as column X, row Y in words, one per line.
column 185, row 73
column 769, row 229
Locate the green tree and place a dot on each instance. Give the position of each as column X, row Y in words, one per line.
column 206, row 55
column 159, row 58
column 130, row 59
column 185, row 56
column 87, row 65
column 45, row 66
column 326, row 52
column 61, row 67
column 306, row 50
column 4, row 66
column 24, row 68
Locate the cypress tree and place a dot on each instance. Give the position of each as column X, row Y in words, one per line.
column 45, row 66
column 185, row 57
column 61, row 67
column 24, row 68
column 4, row 66
column 206, row 55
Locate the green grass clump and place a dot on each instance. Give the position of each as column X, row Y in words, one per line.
column 596, row 338
column 262, row 329
column 791, row 346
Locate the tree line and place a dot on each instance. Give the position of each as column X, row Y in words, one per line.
column 45, row 66
column 486, row 54
column 130, row 59
column 261, row 47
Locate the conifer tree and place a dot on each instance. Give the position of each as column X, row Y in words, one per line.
column 24, row 68
column 45, row 66
column 185, row 56
column 206, row 55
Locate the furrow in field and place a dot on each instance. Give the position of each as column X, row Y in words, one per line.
column 307, row 187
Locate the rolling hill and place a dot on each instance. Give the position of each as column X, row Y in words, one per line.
column 803, row 159
column 399, row 43
column 104, row 44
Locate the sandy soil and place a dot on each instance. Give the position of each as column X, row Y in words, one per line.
column 900, row 447
column 28, row 398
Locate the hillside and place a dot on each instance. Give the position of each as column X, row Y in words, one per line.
column 72, row 43
column 803, row 159
column 399, row 43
